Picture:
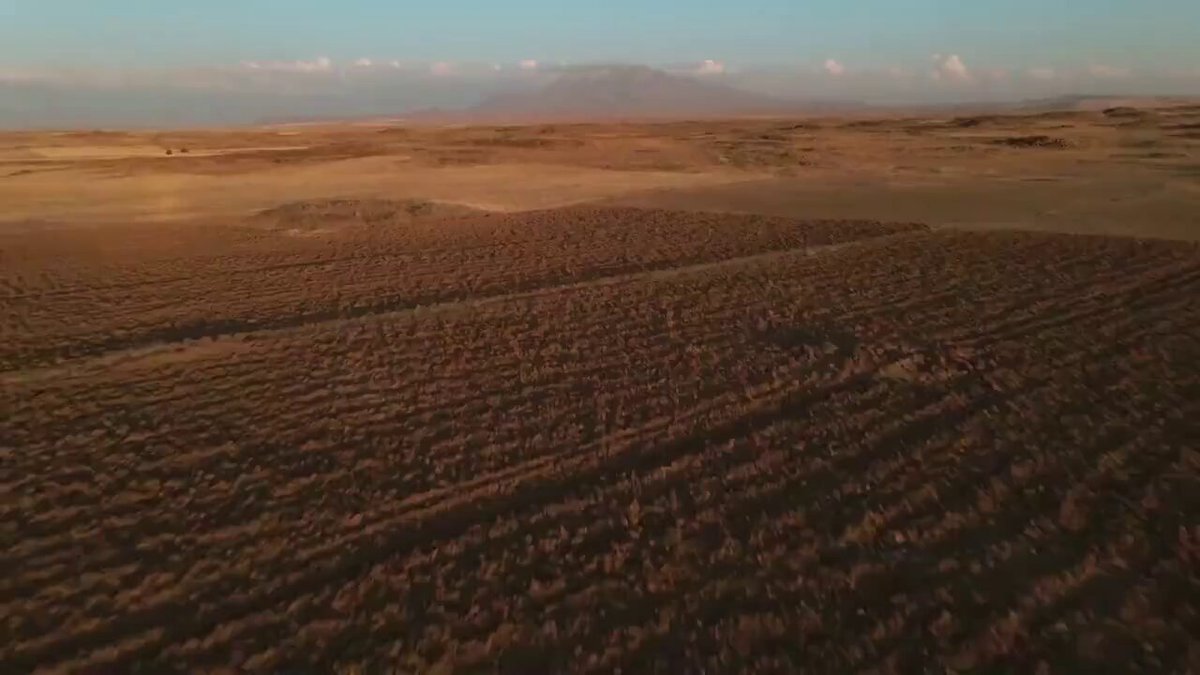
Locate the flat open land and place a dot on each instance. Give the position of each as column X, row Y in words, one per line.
column 669, row 398
column 1125, row 171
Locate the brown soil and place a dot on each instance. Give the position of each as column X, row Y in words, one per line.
column 1038, row 141
column 597, row 439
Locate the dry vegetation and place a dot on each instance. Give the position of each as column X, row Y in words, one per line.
column 1121, row 171
column 69, row 306
column 593, row 439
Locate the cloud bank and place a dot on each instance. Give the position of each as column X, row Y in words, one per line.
column 1103, row 71
column 322, row 64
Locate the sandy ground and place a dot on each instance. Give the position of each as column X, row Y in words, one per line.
column 1134, row 205
column 72, row 197
column 1126, row 172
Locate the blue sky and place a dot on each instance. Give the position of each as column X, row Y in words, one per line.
column 1139, row 34
column 194, row 62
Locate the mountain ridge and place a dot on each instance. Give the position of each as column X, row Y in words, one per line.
column 624, row 91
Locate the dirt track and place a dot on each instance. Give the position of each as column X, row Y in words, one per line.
column 520, row 442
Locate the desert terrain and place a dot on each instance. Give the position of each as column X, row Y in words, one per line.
column 871, row 394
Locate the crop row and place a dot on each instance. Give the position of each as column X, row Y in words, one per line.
column 213, row 300
column 797, row 459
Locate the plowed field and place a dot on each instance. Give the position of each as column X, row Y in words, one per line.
column 592, row 439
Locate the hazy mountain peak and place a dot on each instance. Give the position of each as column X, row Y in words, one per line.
column 629, row 91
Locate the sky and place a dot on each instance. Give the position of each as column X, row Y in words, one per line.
column 1003, row 33
column 922, row 49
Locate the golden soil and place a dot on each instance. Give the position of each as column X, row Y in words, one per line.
column 1124, row 172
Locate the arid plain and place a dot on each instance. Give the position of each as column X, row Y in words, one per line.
column 889, row 394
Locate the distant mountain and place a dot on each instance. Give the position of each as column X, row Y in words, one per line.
column 1095, row 103
column 614, row 92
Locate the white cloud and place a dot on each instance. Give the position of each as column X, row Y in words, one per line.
column 322, row 64
column 1043, row 74
column 529, row 64
column 1107, row 71
column 364, row 63
column 951, row 67
column 954, row 67
column 710, row 67
column 834, row 68
column 441, row 68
